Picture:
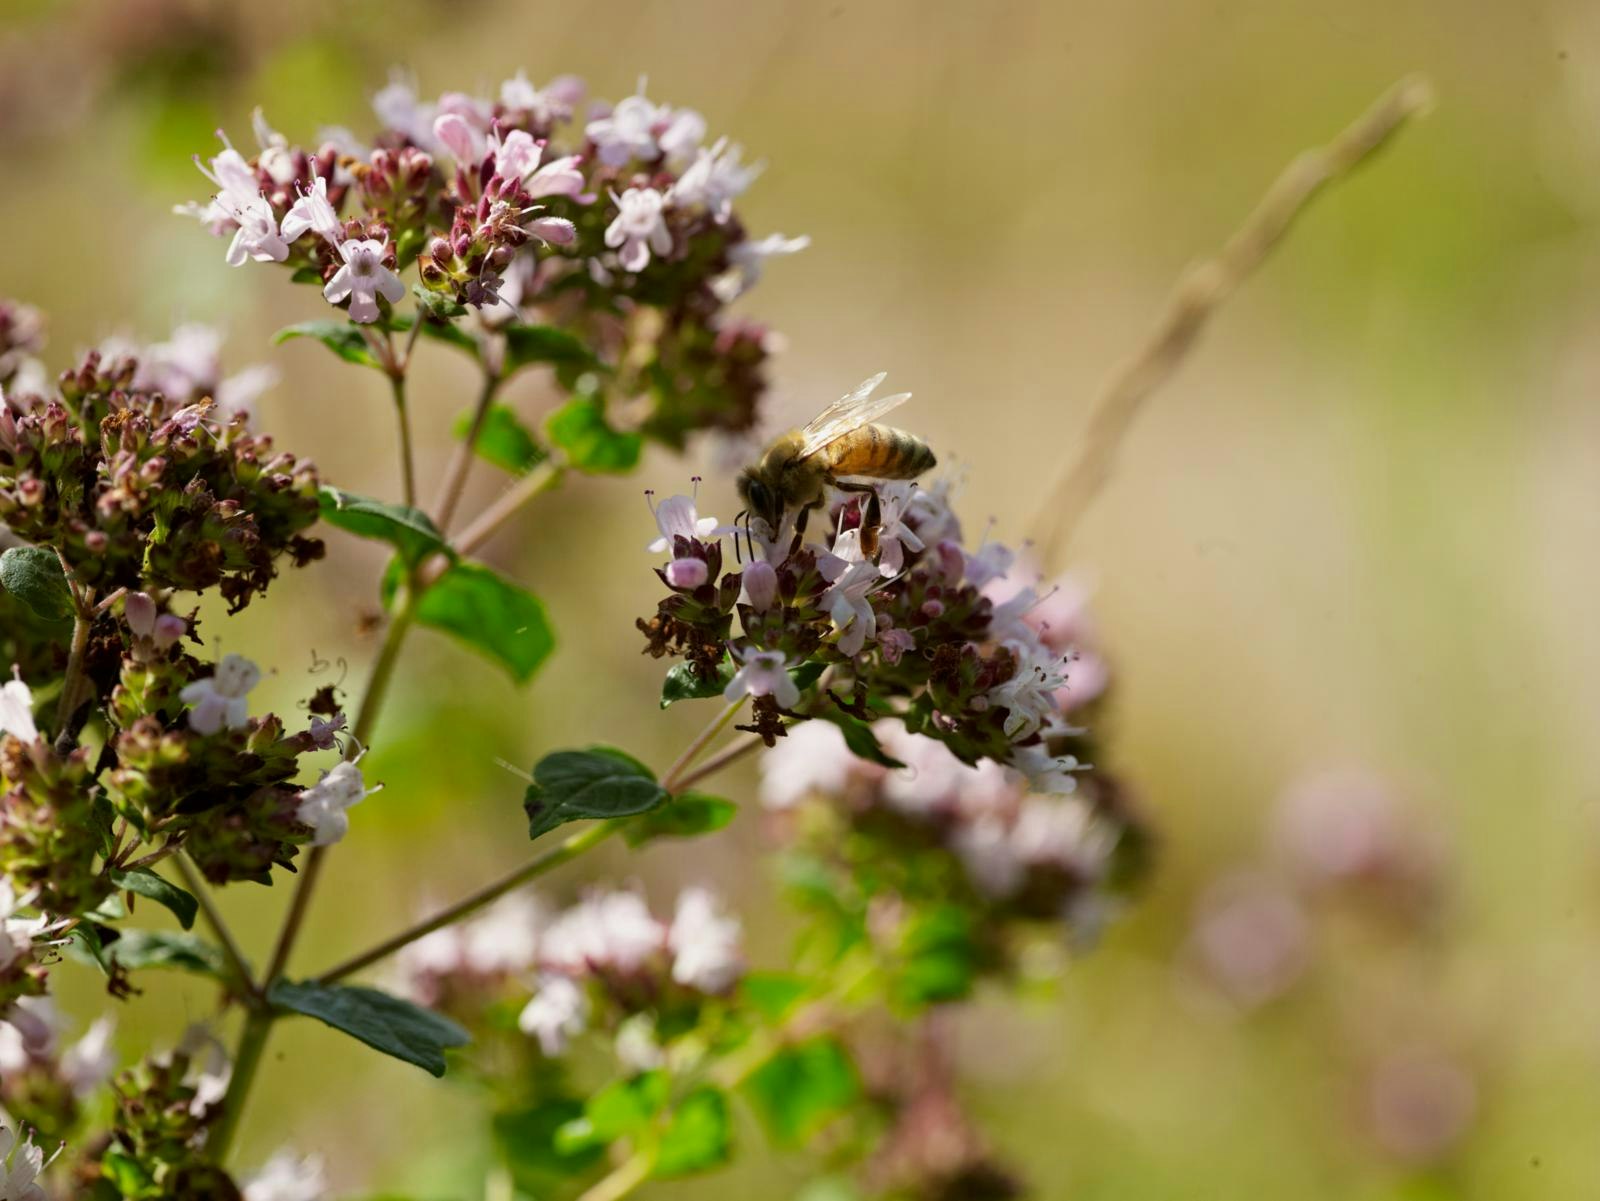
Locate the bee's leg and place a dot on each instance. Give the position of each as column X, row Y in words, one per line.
column 800, row 521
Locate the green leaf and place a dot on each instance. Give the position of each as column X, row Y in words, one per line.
column 167, row 949
column 772, row 994
column 145, row 883
column 597, row 783
column 33, row 575
column 698, row 1137
column 621, row 1108
column 579, row 428
column 863, row 743
column 492, row 615
column 126, row 1173
column 437, row 304
column 939, row 956
column 527, row 1141
column 686, row 815
column 410, row 531
column 87, row 944
column 528, row 344
column 802, row 1087
column 341, row 337
column 684, row 683
column 306, row 275
column 384, row 1023
column 503, row 440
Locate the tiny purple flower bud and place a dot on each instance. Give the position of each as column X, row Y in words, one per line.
column 761, row 585
column 169, row 628
column 140, row 612
column 687, row 573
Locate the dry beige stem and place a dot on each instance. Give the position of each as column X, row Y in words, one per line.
column 1200, row 292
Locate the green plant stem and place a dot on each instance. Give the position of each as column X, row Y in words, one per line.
column 463, row 457
column 213, row 917
column 624, row 1178
column 483, row 527
column 569, row 848
column 81, row 624
column 258, row 1023
column 408, row 467
column 731, row 753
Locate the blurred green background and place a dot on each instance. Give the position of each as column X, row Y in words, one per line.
column 1356, row 530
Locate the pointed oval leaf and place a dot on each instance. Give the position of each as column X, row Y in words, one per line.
column 600, row 782
column 385, row 1023
column 489, row 613
column 33, row 575
column 146, row 883
column 344, row 339
column 410, row 531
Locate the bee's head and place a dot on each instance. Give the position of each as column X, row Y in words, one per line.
column 761, row 498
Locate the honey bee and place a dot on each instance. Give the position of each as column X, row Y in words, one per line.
column 797, row 470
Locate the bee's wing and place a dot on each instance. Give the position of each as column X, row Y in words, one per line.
column 850, row 412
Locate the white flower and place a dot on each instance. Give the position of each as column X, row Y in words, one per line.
column 846, row 599
column 288, row 1177
column 209, row 1071
column 762, row 673
column 237, row 394
column 465, row 143
column 89, row 1062
column 990, row 561
column 313, row 211
column 1061, row 831
column 16, row 933
column 1029, row 696
column 219, row 700
column 705, row 947
column 639, row 227
column 812, row 760
column 985, row 849
column 397, row 107
column 678, row 133
column 257, row 237
column 677, row 517
column 323, row 806
column 16, row 710
column 627, row 132
column 636, row 1046
column 715, row 179
column 935, row 782
column 749, row 260
column 29, row 1030
column 519, row 157
column 364, row 278
column 1047, row 773
column 895, row 538
column 276, row 158
column 506, row 938
column 20, row 1165
column 612, row 931
column 558, row 1013
column 546, row 106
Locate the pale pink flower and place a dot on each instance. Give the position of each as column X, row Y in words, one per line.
column 364, row 278
column 314, row 212
column 558, row 1013
column 762, row 673
column 639, row 228
column 16, row 710
column 324, row 806
column 748, row 261
column 221, row 699
column 812, row 760
column 705, row 944
column 1251, row 938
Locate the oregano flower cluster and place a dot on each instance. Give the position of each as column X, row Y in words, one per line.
column 928, row 711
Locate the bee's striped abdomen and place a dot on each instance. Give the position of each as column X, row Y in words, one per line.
column 880, row 452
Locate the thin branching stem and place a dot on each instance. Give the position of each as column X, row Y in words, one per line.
column 484, row 526
column 675, row 781
column 231, row 950
column 1200, row 292
column 464, row 455
column 402, row 412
